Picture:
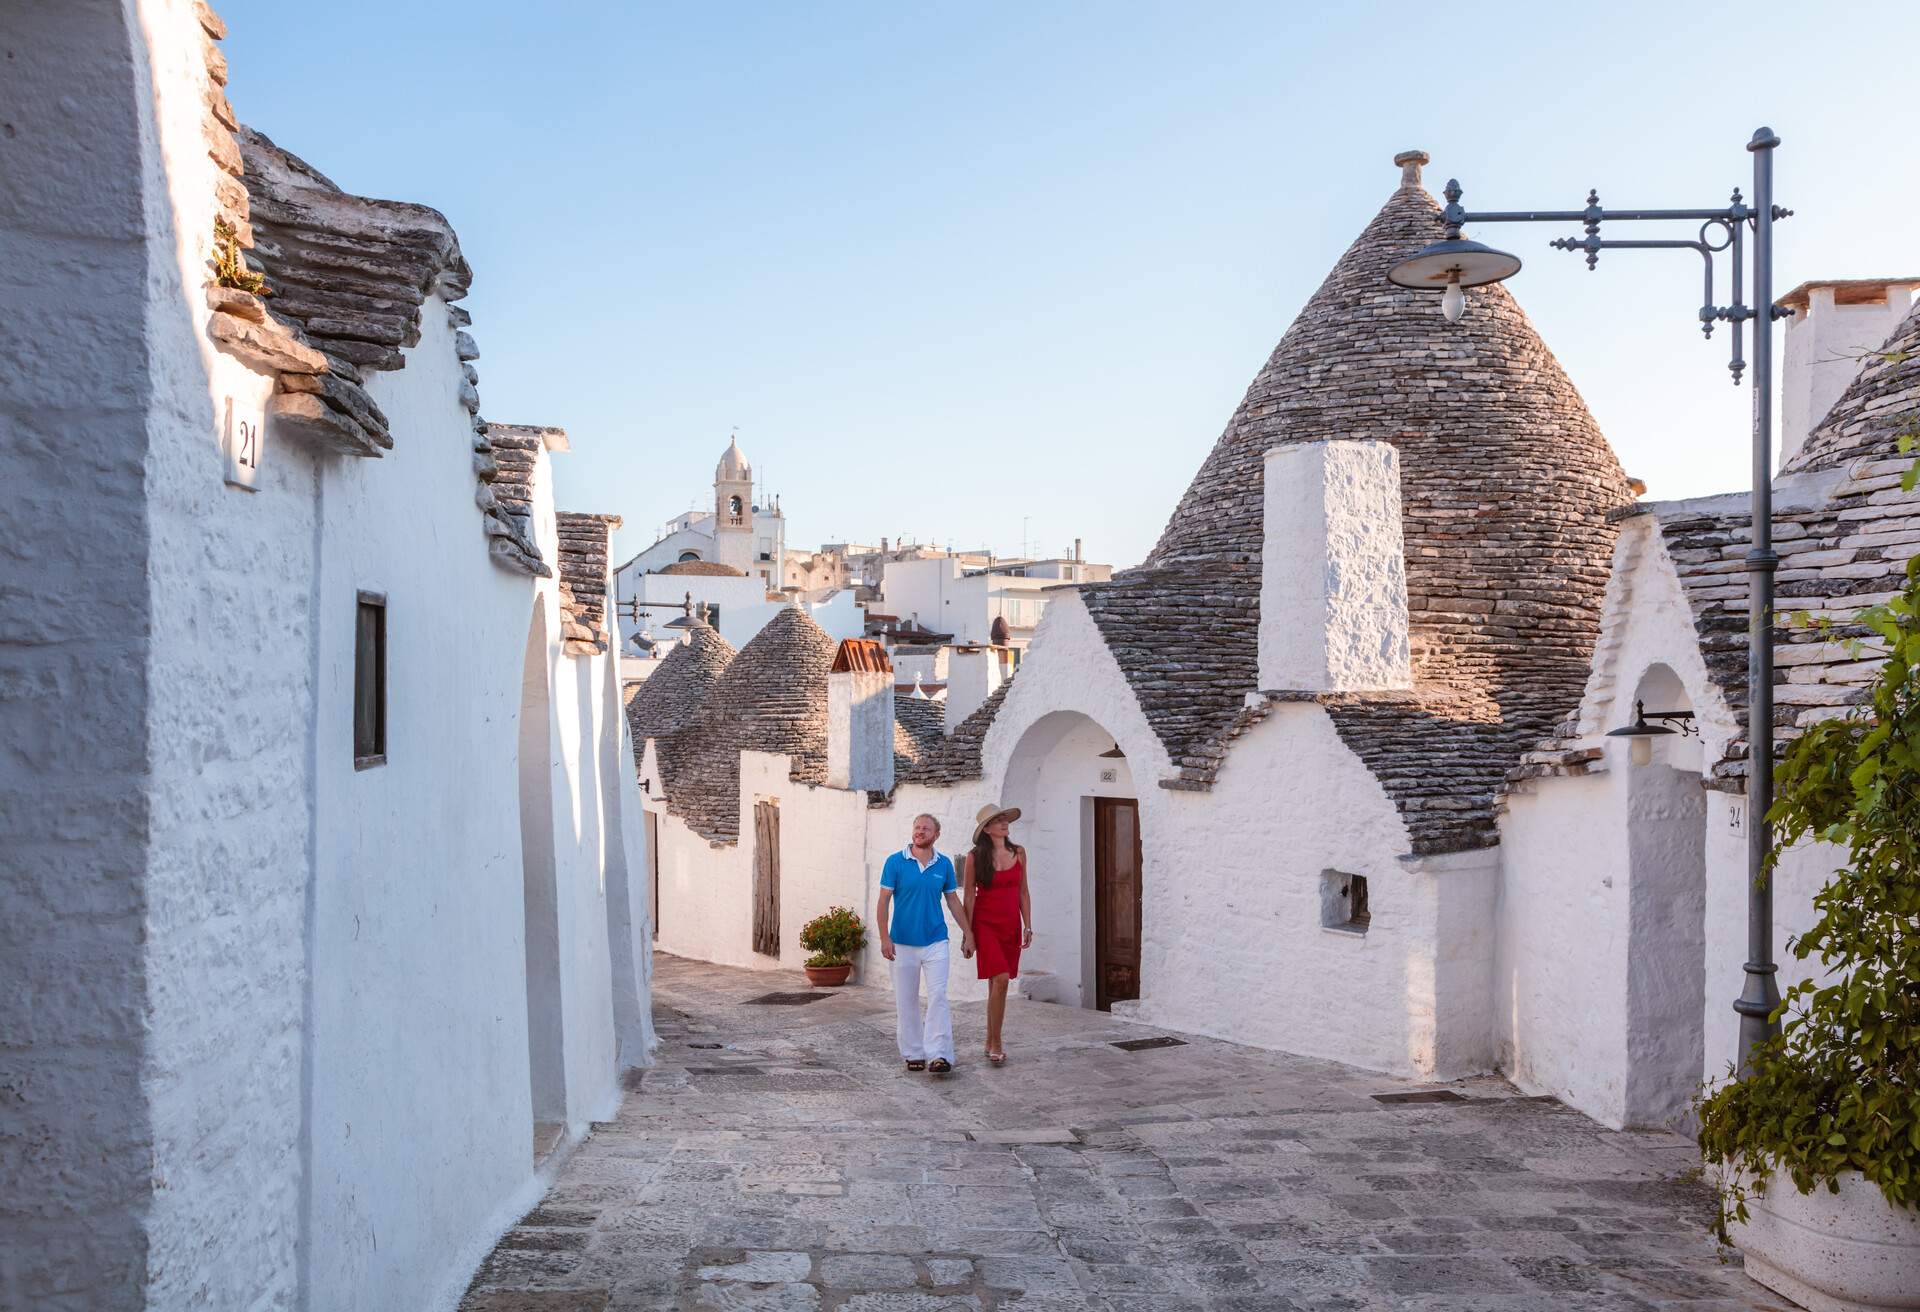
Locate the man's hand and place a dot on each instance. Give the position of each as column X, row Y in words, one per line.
column 966, row 945
column 886, row 947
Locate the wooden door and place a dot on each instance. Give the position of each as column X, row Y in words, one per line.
column 653, row 865
column 766, row 878
column 1116, row 900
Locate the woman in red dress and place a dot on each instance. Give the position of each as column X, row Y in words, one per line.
column 1000, row 911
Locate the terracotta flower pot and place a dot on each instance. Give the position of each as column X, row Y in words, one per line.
column 827, row 977
column 1847, row 1252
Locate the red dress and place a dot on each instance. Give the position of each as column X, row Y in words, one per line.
column 996, row 922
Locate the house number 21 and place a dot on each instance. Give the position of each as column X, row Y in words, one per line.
column 240, row 443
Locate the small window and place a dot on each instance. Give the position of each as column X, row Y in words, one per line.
column 686, row 556
column 370, row 682
column 1343, row 902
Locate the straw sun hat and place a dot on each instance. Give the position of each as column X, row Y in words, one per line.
column 988, row 814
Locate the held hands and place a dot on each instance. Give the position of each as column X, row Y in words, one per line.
column 966, row 944
column 886, row 947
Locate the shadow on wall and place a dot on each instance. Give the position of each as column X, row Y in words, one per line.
column 1080, row 824
column 545, row 1026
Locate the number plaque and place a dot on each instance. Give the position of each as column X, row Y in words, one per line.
column 240, row 440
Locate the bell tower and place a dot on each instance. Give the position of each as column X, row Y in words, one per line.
column 733, row 510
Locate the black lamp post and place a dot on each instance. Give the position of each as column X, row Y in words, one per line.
column 1455, row 264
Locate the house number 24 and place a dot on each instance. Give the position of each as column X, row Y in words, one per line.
column 240, row 441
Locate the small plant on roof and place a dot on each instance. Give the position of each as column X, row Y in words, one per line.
column 833, row 937
column 229, row 265
column 1838, row 1089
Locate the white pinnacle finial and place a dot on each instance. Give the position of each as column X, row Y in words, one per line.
column 1410, row 162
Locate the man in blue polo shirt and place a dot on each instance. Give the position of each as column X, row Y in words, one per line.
column 914, row 938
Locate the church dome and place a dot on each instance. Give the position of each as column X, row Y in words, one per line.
column 733, row 467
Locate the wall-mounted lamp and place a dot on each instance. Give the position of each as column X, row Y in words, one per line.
column 1113, row 753
column 1641, row 734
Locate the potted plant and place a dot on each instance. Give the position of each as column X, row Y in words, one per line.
column 833, row 937
column 1817, row 1143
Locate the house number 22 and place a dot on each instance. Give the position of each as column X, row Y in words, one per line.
column 240, row 443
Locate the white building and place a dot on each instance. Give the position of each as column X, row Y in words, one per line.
column 327, row 912
column 1330, row 771
column 745, row 537
column 943, row 594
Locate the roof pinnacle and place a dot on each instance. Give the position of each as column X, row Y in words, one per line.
column 1410, row 162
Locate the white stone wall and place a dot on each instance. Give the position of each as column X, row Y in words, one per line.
column 1233, row 940
column 230, row 681
column 1822, row 352
column 1333, row 584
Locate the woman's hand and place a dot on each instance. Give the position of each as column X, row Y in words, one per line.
column 1026, row 937
column 886, row 947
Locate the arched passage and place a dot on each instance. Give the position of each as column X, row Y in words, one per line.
column 1080, row 823
column 1666, row 916
column 546, row 1054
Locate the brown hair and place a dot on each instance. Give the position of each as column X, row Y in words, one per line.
column 983, row 857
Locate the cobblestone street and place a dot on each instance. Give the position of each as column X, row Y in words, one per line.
column 780, row 1158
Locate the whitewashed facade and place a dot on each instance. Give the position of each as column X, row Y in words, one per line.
column 284, row 1015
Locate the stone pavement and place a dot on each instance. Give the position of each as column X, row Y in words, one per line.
column 779, row 1157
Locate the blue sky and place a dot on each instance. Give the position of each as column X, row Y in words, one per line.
column 1000, row 272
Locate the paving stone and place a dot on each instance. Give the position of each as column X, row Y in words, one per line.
column 762, row 1267
column 755, row 1298
column 869, row 1271
column 1233, row 1181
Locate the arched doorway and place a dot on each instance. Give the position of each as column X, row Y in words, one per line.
column 546, row 1045
column 1666, row 917
column 1080, row 821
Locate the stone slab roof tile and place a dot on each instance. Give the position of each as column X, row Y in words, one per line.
column 772, row 697
column 349, row 276
column 673, row 695
column 1882, row 402
column 955, row 758
column 1506, row 486
column 583, row 580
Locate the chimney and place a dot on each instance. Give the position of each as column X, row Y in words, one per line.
column 973, row 675
column 1333, row 587
column 1833, row 325
column 1077, row 557
column 860, row 717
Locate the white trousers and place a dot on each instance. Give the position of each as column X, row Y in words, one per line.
column 923, row 1039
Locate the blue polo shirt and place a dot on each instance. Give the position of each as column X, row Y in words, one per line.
column 917, row 917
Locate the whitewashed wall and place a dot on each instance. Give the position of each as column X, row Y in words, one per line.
column 230, row 678
column 1233, row 943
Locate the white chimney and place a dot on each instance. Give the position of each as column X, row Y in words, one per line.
column 1333, row 584
column 973, row 675
column 860, row 729
column 1834, row 325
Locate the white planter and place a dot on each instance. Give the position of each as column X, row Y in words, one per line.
column 1851, row 1251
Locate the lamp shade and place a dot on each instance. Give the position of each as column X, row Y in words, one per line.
column 1456, row 260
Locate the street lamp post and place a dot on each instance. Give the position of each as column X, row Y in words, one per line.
column 1455, row 264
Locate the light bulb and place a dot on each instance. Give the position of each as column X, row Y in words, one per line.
column 1453, row 302
column 1641, row 753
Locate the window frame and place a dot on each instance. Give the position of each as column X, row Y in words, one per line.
column 376, row 667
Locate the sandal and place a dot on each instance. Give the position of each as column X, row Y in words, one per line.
column 939, row 1066
column 916, row 1065
column 996, row 1058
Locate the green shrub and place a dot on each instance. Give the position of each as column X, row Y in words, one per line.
column 834, row 937
column 1838, row 1089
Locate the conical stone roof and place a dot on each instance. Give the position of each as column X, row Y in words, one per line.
column 1878, row 406
column 1506, row 483
column 772, row 697
column 677, row 690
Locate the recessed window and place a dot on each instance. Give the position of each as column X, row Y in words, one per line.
column 1343, row 902
column 370, row 682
